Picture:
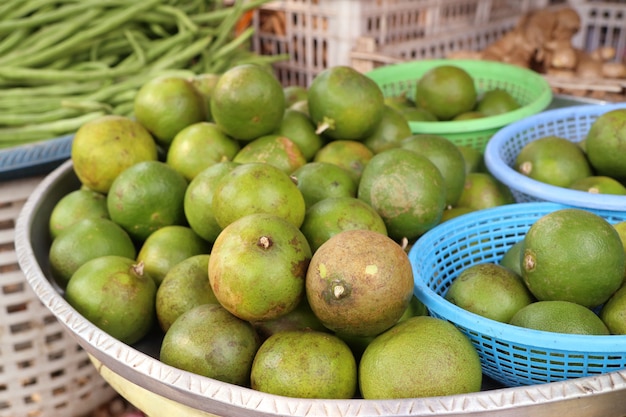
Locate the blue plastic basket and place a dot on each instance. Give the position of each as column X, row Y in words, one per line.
column 37, row 158
column 511, row 355
column 571, row 123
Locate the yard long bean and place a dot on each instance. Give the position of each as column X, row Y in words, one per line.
column 64, row 62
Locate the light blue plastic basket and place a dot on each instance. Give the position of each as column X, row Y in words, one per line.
column 511, row 355
column 36, row 158
column 571, row 123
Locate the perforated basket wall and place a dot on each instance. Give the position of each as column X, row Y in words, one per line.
column 319, row 34
column 43, row 371
column 511, row 355
column 529, row 89
column 571, row 123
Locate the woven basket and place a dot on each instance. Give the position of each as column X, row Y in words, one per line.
column 530, row 89
column 512, row 355
column 43, row 371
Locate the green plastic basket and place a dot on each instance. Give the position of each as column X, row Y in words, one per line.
column 529, row 88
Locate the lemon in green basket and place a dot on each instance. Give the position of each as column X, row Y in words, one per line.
column 168, row 246
column 147, row 196
column 350, row 155
column 446, row 91
column 447, row 158
column 166, row 105
column 199, row 146
column 115, row 294
column 419, row 357
column 553, row 160
column 345, row 104
column 406, row 189
column 209, row 341
column 573, row 255
column 75, row 206
column 469, row 115
column 185, row 286
column 559, row 317
column 319, row 180
column 606, row 144
column 495, row 102
column 104, row 147
column 418, row 114
column 613, row 312
column 599, row 184
column 305, row 364
column 489, row 290
column 247, row 102
column 482, row 190
column 85, row 240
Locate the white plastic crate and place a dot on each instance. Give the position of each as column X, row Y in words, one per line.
column 603, row 23
column 318, row 34
column 43, row 371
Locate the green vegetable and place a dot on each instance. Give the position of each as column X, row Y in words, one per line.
column 63, row 62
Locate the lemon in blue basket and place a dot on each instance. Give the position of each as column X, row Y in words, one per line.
column 305, row 364
column 606, row 144
column 406, row 189
column 553, row 160
column 573, row 255
column 613, row 312
column 345, row 104
column 446, row 91
column 599, row 184
column 489, row 290
column 447, row 158
column 247, row 102
column 496, row 101
column 482, row 190
column 115, row 294
column 419, row 357
column 104, row 147
column 512, row 258
column 559, row 317
column 621, row 231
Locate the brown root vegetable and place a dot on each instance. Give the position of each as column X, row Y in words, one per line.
column 614, row 70
column 567, row 24
column 589, row 68
column 603, row 53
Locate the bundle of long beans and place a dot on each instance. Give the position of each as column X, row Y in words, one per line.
column 64, row 62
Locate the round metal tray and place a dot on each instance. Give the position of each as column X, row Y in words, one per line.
column 161, row 390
